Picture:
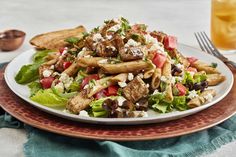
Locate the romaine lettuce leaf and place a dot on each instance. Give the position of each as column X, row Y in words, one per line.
column 75, row 86
column 188, row 79
column 199, row 78
column 161, row 107
column 48, row 98
column 157, row 102
column 27, row 73
column 180, row 103
column 39, row 56
column 34, row 87
column 156, row 98
column 63, row 95
column 97, row 109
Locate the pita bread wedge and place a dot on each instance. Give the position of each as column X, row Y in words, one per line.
column 55, row 40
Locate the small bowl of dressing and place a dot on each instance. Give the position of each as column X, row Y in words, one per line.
column 11, row 39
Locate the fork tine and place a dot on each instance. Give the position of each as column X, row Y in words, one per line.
column 199, row 43
column 207, row 38
column 204, row 45
column 215, row 51
column 208, row 46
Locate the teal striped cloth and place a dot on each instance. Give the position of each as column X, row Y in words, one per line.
column 45, row 144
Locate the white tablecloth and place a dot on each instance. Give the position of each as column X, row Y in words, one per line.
column 181, row 18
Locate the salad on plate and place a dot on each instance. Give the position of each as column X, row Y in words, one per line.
column 116, row 70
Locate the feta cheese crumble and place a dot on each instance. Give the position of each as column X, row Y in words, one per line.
column 83, row 113
column 164, row 79
column 131, row 42
column 81, row 53
column 122, row 84
column 156, row 46
column 97, row 37
column 66, row 80
column 64, row 51
column 86, row 86
column 140, row 114
column 52, row 67
column 192, row 94
column 66, row 111
column 150, row 39
column 180, row 66
column 178, row 78
column 47, row 73
column 172, row 61
column 140, row 75
column 172, row 80
column 111, row 47
column 208, row 97
column 114, row 28
column 155, row 92
column 120, row 100
column 130, row 76
column 109, row 37
column 59, row 87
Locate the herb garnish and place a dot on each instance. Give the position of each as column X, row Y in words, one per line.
column 214, row 65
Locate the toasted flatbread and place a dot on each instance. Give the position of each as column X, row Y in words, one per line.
column 55, row 40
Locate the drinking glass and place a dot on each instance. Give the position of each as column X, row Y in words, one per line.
column 223, row 24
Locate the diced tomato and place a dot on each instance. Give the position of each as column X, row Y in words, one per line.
column 181, row 88
column 46, row 82
column 159, row 60
column 170, row 42
column 61, row 50
column 192, row 59
column 112, row 90
column 191, row 69
column 88, row 78
column 100, row 94
column 66, row 65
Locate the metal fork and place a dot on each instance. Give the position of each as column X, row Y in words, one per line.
column 207, row 46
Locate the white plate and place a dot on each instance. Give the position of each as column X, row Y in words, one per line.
column 154, row 117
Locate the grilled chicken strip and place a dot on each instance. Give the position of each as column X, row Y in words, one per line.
column 215, row 79
column 135, row 90
column 79, row 102
column 205, row 96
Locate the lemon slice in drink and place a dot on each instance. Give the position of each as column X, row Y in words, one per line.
column 229, row 16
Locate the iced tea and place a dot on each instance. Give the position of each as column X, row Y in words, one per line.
column 223, row 24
